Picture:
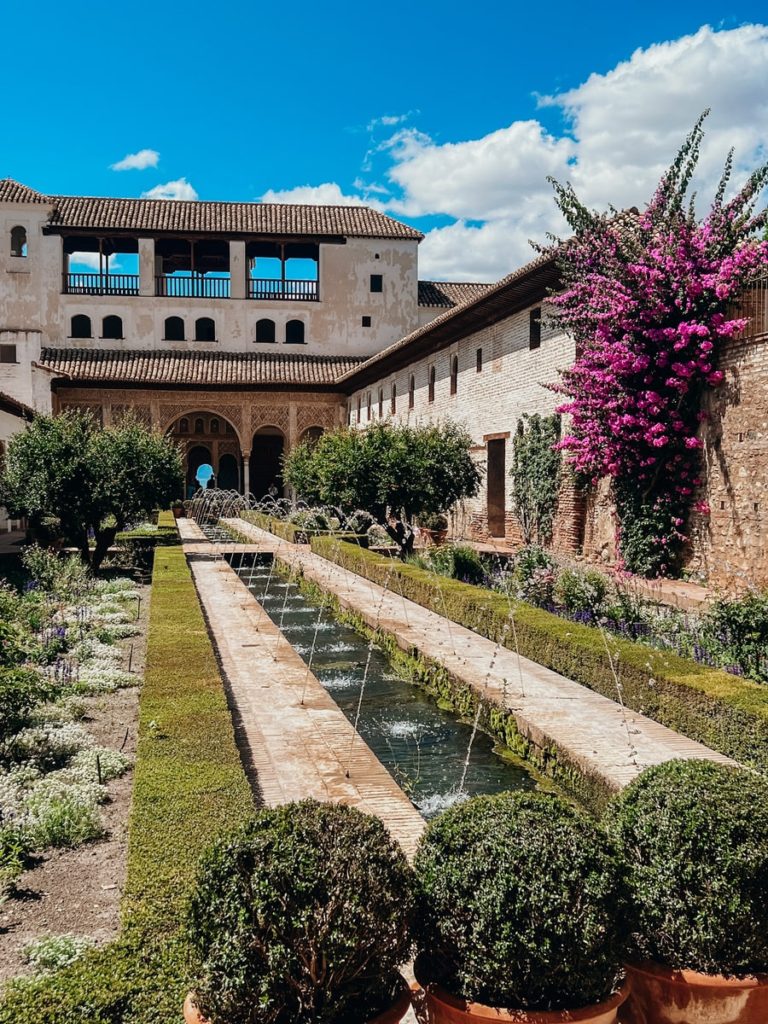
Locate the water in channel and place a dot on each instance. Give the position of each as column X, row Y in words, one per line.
column 423, row 747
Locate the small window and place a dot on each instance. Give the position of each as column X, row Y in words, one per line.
column 534, row 328
column 8, row 354
column 431, row 385
column 359, row 403
column 265, row 332
column 349, row 414
column 393, row 400
column 80, row 326
column 112, row 328
column 369, row 404
column 18, row 241
column 214, row 425
column 366, row 321
column 199, row 425
column 381, row 403
column 174, row 328
column 184, row 425
column 377, row 283
column 205, row 329
column 294, row 332
column 411, row 392
column 479, row 360
column 454, row 375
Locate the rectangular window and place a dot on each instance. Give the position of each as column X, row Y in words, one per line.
column 366, row 321
column 534, row 328
column 8, row 354
column 377, row 283
column 479, row 360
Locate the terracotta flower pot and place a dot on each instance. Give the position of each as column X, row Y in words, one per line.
column 447, row 1009
column 393, row 1015
column 661, row 995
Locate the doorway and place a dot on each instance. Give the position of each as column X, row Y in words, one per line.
column 496, row 479
column 266, row 458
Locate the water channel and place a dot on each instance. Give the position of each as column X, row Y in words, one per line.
column 425, row 748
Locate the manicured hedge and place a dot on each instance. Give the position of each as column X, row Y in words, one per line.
column 290, row 531
column 189, row 785
column 723, row 711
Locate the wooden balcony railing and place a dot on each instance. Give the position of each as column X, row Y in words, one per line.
column 101, row 284
column 275, row 288
column 753, row 303
column 192, row 287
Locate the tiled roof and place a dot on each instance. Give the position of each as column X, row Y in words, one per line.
column 194, row 368
column 493, row 304
column 449, row 293
column 13, row 192
column 158, row 215
column 12, row 405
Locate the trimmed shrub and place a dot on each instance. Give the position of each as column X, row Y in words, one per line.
column 694, row 837
column 582, row 590
column 720, row 710
column 521, row 903
column 302, row 915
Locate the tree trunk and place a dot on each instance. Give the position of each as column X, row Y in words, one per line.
column 104, row 541
column 85, row 550
column 402, row 534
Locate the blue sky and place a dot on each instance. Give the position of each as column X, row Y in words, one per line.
column 446, row 115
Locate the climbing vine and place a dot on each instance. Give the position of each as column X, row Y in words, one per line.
column 646, row 298
column 536, row 475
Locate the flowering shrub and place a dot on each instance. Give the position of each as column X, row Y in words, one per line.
column 52, row 952
column 646, row 299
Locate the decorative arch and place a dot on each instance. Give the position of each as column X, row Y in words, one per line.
column 313, row 433
column 175, row 415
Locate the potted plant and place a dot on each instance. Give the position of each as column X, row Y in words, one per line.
column 520, row 914
column 434, row 526
column 304, row 914
column 694, row 838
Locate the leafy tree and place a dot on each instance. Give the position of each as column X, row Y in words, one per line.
column 647, row 299
column 536, row 476
column 89, row 478
column 396, row 473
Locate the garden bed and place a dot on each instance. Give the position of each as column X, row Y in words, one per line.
column 722, row 711
column 189, row 783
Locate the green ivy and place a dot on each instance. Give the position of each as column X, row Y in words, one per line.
column 536, row 475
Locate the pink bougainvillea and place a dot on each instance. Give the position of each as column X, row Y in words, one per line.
column 647, row 299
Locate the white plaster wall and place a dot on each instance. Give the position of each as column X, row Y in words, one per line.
column 9, row 425
column 31, row 298
column 490, row 402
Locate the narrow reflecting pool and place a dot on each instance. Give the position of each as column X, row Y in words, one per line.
column 424, row 747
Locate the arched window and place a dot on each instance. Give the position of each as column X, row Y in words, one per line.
column 393, row 400
column 18, row 241
column 294, row 332
column 199, row 425
column 411, row 392
column 184, row 425
column 214, row 425
column 205, row 329
column 80, row 326
column 112, row 327
column 454, row 375
column 174, row 328
column 431, row 385
column 369, row 404
column 381, row 402
column 265, row 332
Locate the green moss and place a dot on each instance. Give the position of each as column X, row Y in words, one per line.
column 189, row 785
column 720, row 710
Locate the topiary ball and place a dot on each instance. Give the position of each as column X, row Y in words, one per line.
column 302, row 915
column 694, row 836
column 521, row 904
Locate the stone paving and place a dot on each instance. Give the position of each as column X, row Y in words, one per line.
column 297, row 743
column 596, row 734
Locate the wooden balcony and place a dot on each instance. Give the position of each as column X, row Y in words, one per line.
column 277, row 288
column 101, row 284
column 753, row 304
column 192, row 287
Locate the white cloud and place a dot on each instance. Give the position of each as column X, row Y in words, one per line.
column 327, row 194
column 620, row 131
column 137, row 161
column 179, row 189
